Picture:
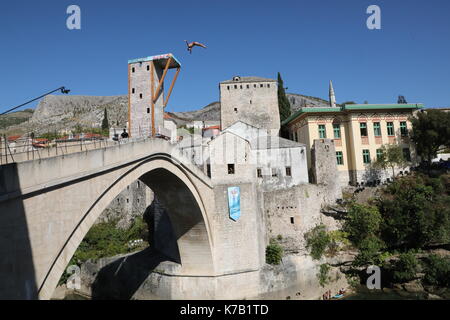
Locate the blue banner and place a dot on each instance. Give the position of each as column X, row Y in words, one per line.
column 234, row 202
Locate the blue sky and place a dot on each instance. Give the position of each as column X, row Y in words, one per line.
column 309, row 42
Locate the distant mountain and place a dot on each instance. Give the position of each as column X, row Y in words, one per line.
column 55, row 113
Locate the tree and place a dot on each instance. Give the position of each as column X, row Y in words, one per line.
column 105, row 123
column 431, row 133
column 362, row 222
column 391, row 157
column 283, row 101
column 415, row 213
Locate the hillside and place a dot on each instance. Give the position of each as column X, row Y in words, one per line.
column 55, row 113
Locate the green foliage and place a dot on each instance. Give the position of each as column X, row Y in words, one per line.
column 323, row 274
column 363, row 222
column 370, row 252
column 283, row 101
column 274, row 253
column 437, row 271
column 105, row 239
column 415, row 212
column 405, row 268
column 431, row 130
column 317, row 241
column 391, row 157
column 50, row 136
column 105, row 123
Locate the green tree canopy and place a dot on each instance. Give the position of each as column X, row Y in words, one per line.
column 431, row 132
column 105, row 123
column 391, row 157
column 415, row 212
column 283, row 101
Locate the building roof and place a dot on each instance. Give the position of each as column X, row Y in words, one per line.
column 271, row 142
column 211, row 127
column 160, row 59
column 239, row 79
column 350, row 108
column 382, row 106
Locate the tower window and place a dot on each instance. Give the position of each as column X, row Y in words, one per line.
column 248, row 87
column 132, row 69
column 128, row 200
column 288, row 171
column 268, row 85
column 235, row 86
column 132, row 90
column 259, row 172
column 292, row 220
column 140, row 95
column 241, row 86
column 208, row 170
column 254, row 85
column 235, row 109
column 228, row 87
column 148, row 110
column 261, row 85
column 274, row 172
column 250, row 101
column 231, row 168
column 148, row 68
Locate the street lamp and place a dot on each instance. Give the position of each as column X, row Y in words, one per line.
column 62, row 89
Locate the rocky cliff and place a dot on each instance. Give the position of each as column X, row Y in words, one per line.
column 58, row 112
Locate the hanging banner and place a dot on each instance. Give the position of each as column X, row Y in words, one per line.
column 234, row 202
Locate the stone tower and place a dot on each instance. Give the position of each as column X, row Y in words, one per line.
column 253, row 100
column 332, row 96
column 146, row 100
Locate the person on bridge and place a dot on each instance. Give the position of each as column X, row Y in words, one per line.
column 124, row 134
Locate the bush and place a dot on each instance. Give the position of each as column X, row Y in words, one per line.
column 416, row 212
column 323, row 274
column 363, row 222
column 370, row 252
column 317, row 241
column 105, row 239
column 274, row 253
column 405, row 268
column 437, row 271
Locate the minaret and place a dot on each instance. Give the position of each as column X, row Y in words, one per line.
column 332, row 96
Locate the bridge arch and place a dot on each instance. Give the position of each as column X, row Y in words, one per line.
column 180, row 190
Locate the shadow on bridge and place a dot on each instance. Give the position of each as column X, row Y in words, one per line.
column 17, row 272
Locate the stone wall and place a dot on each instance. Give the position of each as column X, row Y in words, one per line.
column 129, row 204
column 256, row 105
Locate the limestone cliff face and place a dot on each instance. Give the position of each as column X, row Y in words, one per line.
column 66, row 112
column 58, row 112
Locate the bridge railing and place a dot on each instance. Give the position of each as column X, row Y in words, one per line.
column 26, row 148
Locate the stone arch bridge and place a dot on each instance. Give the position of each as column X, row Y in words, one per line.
column 47, row 206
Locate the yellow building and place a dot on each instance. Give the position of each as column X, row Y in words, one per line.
column 358, row 132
